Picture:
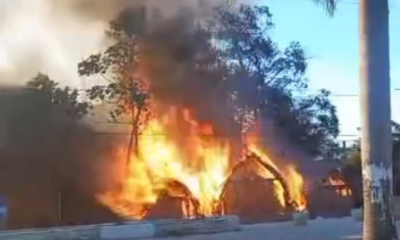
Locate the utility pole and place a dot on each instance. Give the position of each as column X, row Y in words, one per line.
column 376, row 140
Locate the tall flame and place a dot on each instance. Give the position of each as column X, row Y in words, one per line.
column 291, row 177
column 186, row 152
column 162, row 159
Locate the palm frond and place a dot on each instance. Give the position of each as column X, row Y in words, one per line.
column 328, row 5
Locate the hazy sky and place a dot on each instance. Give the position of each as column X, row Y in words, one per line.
column 333, row 45
column 331, row 42
column 33, row 37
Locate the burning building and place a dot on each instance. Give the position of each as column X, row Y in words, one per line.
column 192, row 156
column 184, row 168
column 191, row 159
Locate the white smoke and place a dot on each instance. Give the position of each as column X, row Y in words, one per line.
column 35, row 38
column 52, row 36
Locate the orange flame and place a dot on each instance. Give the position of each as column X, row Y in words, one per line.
column 342, row 188
column 162, row 159
column 175, row 147
column 293, row 180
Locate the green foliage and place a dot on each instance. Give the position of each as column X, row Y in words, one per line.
column 310, row 121
column 234, row 48
column 353, row 160
column 353, row 163
column 130, row 99
column 117, row 65
column 328, row 5
column 268, row 80
column 39, row 110
column 354, row 155
column 64, row 99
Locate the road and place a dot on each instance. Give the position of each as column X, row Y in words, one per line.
column 327, row 229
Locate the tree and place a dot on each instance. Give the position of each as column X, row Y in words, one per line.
column 56, row 119
column 65, row 99
column 375, row 122
column 41, row 105
column 55, row 151
column 189, row 61
column 375, row 94
column 328, row 5
column 352, row 173
column 352, row 168
column 126, row 92
column 42, row 121
column 254, row 69
column 267, row 81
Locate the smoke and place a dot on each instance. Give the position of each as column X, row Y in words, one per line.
column 181, row 67
column 35, row 38
column 53, row 36
column 104, row 10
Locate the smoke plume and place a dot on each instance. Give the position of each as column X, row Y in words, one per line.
column 53, row 36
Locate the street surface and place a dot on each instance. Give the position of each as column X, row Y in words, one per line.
column 320, row 229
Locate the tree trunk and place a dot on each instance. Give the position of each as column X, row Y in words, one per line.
column 132, row 141
column 133, row 137
column 376, row 140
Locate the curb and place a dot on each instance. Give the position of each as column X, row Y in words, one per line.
column 181, row 227
column 133, row 231
column 130, row 230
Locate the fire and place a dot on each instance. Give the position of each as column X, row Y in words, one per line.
column 296, row 187
column 162, row 158
column 292, row 178
column 342, row 188
column 176, row 149
column 207, row 173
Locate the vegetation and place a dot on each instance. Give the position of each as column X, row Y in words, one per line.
column 44, row 123
column 66, row 100
column 272, row 82
column 125, row 92
column 234, row 54
column 353, row 166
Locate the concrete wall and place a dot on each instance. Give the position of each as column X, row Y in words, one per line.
column 129, row 230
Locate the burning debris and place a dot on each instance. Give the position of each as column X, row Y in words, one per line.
column 180, row 158
column 337, row 182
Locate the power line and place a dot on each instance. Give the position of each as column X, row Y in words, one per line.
column 296, row 91
column 352, row 2
column 163, row 134
column 199, row 135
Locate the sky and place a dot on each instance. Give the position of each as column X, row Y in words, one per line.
column 332, row 44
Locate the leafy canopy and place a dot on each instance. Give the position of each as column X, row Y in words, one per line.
column 272, row 82
column 234, row 50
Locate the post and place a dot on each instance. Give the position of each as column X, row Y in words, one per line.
column 376, row 141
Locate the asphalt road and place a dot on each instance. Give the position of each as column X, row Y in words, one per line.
column 329, row 229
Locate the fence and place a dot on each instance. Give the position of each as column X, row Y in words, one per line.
column 253, row 200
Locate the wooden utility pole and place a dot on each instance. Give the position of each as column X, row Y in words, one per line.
column 376, row 139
